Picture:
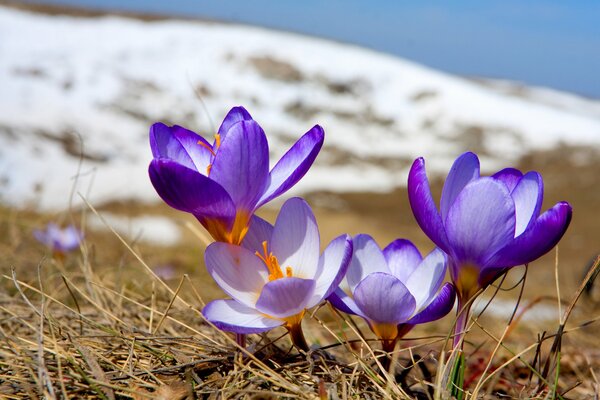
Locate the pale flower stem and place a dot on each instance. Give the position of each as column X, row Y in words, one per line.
column 464, row 312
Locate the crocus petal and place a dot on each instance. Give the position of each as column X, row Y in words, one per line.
column 285, row 297
column 296, row 239
column 537, row 240
column 340, row 300
column 367, row 259
column 464, row 170
column 384, row 299
column 402, row 258
column 423, row 206
column 528, row 196
column 259, row 231
column 42, row 237
column 235, row 115
column 439, row 307
column 180, row 145
column 238, row 271
column 294, row 164
column 481, row 221
column 241, row 165
column 427, row 278
column 187, row 190
column 333, row 265
column 70, row 238
column 231, row 316
column 509, row 176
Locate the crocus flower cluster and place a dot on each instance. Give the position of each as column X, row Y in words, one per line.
column 486, row 225
column 60, row 241
column 274, row 273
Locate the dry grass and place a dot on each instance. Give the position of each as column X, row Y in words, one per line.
column 101, row 324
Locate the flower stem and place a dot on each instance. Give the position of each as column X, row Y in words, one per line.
column 298, row 337
column 464, row 312
column 387, row 346
column 240, row 339
column 457, row 373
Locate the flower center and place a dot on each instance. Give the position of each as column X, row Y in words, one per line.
column 272, row 264
column 212, row 149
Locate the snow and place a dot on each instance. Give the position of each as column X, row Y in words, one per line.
column 105, row 80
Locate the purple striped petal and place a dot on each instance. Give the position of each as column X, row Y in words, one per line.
column 285, row 297
column 402, row 258
column 382, row 298
column 423, row 206
column 528, row 196
column 294, row 164
column 481, row 221
column 439, row 307
column 296, row 239
column 241, row 165
column 187, row 190
column 340, row 300
column 231, row 316
column 537, row 240
column 464, row 170
column 509, row 176
column 333, row 265
column 180, row 145
column 238, row 271
column 366, row 259
column 235, row 115
column 259, row 231
column 427, row 278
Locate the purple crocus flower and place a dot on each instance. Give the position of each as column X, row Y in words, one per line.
column 276, row 275
column 394, row 289
column 59, row 240
column 485, row 224
column 223, row 183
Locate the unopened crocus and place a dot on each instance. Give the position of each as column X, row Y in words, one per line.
column 60, row 241
column 223, row 183
column 276, row 275
column 486, row 225
column 394, row 289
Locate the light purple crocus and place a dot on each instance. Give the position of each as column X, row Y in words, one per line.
column 60, row 241
column 485, row 224
column 223, row 183
column 394, row 289
column 276, row 275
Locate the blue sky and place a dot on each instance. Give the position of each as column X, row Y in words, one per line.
column 547, row 43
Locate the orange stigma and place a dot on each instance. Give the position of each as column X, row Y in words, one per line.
column 272, row 264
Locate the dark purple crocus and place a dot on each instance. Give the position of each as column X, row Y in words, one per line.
column 276, row 275
column 223, row 183
column 486, row 225
column 394, row 289
column 60, row 241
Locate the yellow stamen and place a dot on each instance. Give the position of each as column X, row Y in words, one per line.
column 207, row 147
column 272, row 264
column 211, row 149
